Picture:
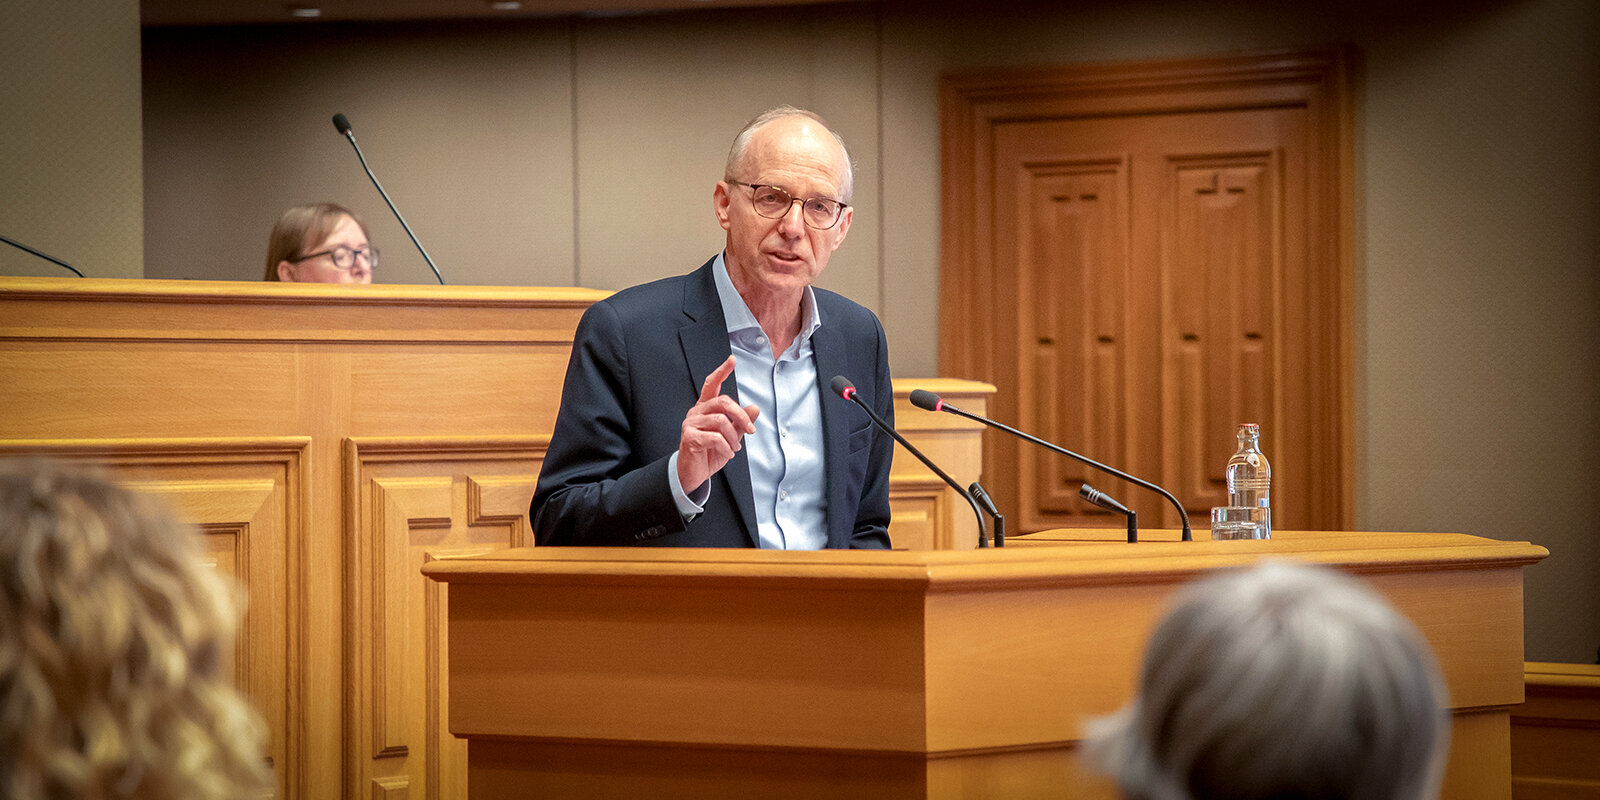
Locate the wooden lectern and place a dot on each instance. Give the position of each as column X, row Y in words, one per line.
column 709, row 673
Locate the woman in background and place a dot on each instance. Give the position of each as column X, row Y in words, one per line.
column 320, row 243
column 1279, row 681
column 115, row 645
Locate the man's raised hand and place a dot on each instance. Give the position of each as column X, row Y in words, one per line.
column 712, row 430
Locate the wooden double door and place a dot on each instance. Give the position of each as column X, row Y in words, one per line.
column 1142, row 257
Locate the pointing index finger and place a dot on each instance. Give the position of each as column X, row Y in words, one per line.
column 713, row 384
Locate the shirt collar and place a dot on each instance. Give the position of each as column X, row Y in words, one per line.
column 739, row 316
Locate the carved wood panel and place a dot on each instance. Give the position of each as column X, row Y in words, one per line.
column 246, row 498
column 1074, row 327
column 918, row 513
column 1142, row 336
column 1222, row 295
column 413, row 501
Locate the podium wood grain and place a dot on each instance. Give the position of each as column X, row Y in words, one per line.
column 901, row 674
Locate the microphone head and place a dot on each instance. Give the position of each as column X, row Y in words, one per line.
column 341, row 124
column 843, row 387
column 926, row 400
column 1101, row 499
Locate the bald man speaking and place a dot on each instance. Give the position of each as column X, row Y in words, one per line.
column 695, row 413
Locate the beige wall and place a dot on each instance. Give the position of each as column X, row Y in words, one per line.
column 70, row 153
column 584, row 151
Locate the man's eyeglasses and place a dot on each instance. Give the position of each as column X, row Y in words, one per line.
column 772, row 202
column 343, row 257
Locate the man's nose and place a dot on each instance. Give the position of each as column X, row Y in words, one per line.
column 793, row 222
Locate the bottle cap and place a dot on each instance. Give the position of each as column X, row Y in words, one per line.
column 1248, row 425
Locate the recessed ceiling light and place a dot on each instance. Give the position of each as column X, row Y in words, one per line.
column 304, row 13
column 505, row 5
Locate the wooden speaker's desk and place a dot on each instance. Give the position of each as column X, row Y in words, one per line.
column 702, row 673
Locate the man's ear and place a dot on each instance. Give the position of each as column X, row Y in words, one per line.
column 285, row 272
column 843, row 227
column 720, row 200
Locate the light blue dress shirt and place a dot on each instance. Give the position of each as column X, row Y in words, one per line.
column 785, row 452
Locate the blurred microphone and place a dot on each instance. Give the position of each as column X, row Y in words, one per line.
column 342, row 124
column 844, row 388
column 50, row 258
column 928, row 401
column 1109, row 503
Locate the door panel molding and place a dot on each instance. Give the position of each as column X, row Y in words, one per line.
column 1297, row 353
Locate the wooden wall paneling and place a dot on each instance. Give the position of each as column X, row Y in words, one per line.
column 247, row 498
column 1073, row 321
column 1274, row 130
column 1555, row 733
column 414, row 500
column 1221, row 270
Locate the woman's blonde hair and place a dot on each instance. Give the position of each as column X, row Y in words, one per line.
column 302, row 227
column 115, row 645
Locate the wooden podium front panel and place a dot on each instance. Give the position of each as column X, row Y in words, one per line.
column 737, row 666
column 983, row 664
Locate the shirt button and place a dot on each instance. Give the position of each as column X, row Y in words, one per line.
column 783, row 494
column 761, row 340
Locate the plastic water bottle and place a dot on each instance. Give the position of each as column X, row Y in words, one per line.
column 1250, row 476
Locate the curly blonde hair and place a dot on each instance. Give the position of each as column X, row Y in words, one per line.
column 115, row 641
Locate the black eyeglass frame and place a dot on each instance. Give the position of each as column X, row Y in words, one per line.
column 370, row 254
column 755, row 188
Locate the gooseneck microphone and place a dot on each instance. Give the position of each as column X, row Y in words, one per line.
column 46, row 256
column 992, row 510
column 342, row 124
column 928, row 401
column 844, row 388
column 1109, row 503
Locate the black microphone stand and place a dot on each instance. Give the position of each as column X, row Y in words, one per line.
column 844, row 389
column 46, row 256
column 941, row 405
column 343, row 125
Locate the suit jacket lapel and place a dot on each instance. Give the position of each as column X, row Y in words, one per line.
column 839, row 417
column 705, row 347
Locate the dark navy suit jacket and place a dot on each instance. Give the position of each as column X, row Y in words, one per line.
column 638, row 362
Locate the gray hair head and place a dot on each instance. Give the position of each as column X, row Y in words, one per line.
column 741, row 143
column 1279, row 681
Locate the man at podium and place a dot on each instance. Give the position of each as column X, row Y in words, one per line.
column 693, row 412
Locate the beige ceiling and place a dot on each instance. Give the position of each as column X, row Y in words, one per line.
column 229, row 12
